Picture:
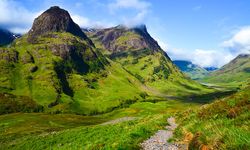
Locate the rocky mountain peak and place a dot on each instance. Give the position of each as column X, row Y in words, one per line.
column 54, row 19
column 123, row 38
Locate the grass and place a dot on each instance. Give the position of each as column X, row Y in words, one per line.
column 159, row 73
column 62, row 131
column 59, row 85
column 223, row 124
column 235, row 73
column 140, row 83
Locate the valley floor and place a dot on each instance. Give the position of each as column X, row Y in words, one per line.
column 123, row 128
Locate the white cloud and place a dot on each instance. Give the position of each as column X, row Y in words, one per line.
column 201, row 57
column 142, row 8
column 240, row 42
column 86, row 22
column 136, row 4
column 18, row 19
column 208, row 58
column 204, row 58
column 15, row 17
column 81, row 21
column 162, row 44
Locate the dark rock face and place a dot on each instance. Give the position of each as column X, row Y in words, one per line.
column 137, row 39
column 55, row 19
column 150, row 42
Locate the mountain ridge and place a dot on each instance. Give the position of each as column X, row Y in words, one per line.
column 235, row 72
column 7, row 37
column 192, row 70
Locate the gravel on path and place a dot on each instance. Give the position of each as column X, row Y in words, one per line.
column 159, row 141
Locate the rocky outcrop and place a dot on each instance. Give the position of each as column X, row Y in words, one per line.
column 55, row 19
column 121, row 38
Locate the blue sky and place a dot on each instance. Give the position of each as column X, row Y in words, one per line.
column 206, row 32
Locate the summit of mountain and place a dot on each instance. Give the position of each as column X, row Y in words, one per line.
column 54, row 19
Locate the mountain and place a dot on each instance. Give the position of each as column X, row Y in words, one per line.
column 121, row 38
column 56, row 68
column 55, row 20
column 235, row 72
column 190, row 69
column 210, row 68
column 6, row 37
column 142, row 57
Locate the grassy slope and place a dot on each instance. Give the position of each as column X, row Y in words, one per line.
column 97, row 92
column 94, row 92
column 43, row 131
column 154, row 69
column 223, row 124
column 234, row 73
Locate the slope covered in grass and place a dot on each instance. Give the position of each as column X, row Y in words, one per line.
column 57, row 67
column 223, row 124
column 143, row 58
column 62, row 131
column 59, row 84
column 235, row 72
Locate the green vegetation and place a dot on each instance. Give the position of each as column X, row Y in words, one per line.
column 232, row 74
column 63, row 131
column 82, row 82
column 223, row 124
column 152, row 68
column 61, row 92
column 10, row 104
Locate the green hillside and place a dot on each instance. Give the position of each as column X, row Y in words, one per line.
column 64, row 73
column 223, row 124
column 58, row 68
column 143, row 58
column 235, row 72
column 61, row 88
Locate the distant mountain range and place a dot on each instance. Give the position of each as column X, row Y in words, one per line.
column 6, row 37
column 193, row 71
column 210, row 68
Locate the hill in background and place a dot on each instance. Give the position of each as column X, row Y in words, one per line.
column 191, row 70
